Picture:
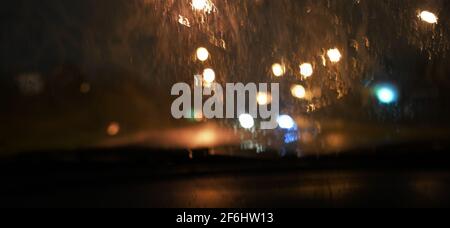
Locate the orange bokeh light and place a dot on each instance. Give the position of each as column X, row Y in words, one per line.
column 113, row 129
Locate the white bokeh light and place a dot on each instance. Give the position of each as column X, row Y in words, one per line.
column 202, row 54
column 199, row 4
column 246, row 121
column 286, row 122
column 428, row 17
column 306, row 70
column 334, row 55
column 209, row 75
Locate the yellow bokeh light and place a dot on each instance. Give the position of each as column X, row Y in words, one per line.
column 85, row 87
column 264, row 98
column 306, row 70
column 209, row 75
column 278, row 70
column 428, row 17
column 334, row 55
column 202, row 54
column 298, row 91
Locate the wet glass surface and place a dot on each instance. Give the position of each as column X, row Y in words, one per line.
column 353, row 73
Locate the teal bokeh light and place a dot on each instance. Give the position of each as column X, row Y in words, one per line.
column 386, row 93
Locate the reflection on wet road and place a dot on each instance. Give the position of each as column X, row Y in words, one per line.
column 299, row 189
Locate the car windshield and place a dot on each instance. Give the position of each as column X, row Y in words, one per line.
column 341, row 75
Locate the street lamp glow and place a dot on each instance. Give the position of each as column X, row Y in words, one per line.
column 428, row 17
column 334, row 55
column 246, row 121
column 306, row 69
column 202, row 54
